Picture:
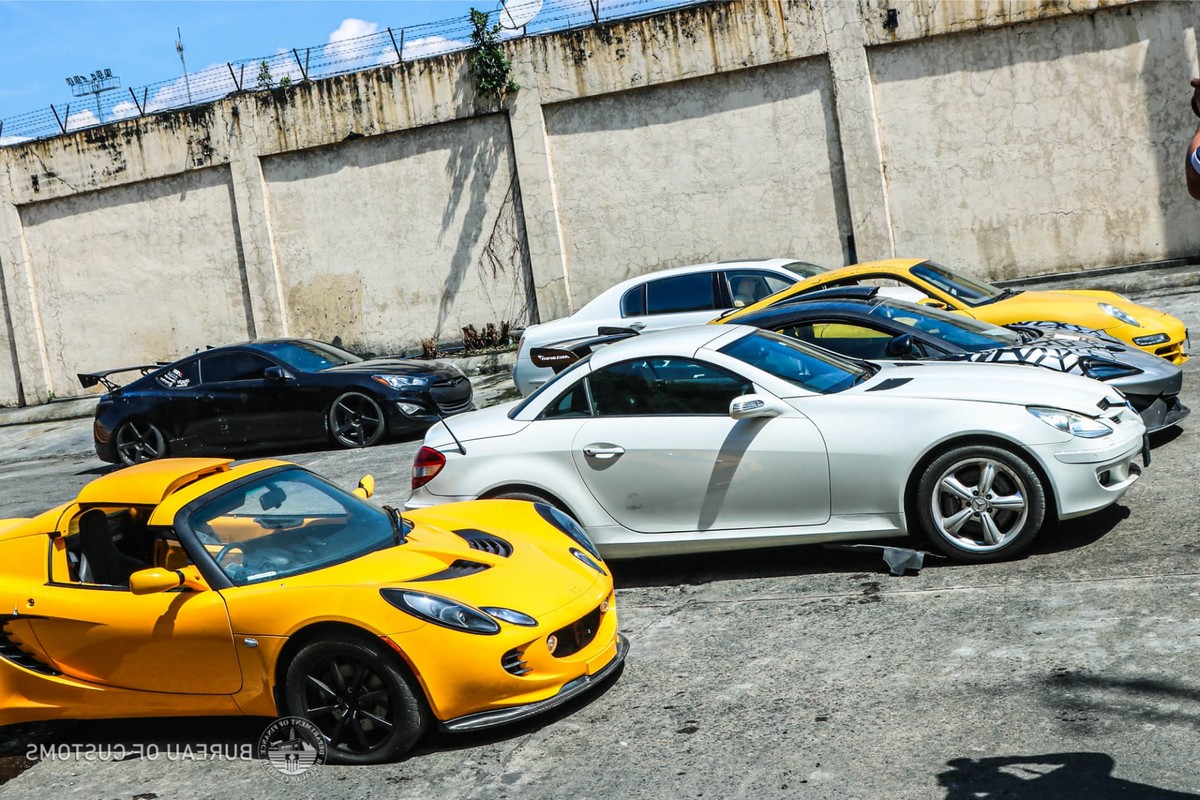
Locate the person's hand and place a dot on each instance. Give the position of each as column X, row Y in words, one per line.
column 1196, row 96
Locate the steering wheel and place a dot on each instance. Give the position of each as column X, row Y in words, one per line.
column 224, row 551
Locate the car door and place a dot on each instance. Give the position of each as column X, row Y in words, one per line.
column 182, row 408
column 178, row 641
column 251, row 409
column 661, row 454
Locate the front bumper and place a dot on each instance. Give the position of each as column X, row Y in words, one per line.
column 1160, row 412
column 503, row 716
column 1089, row 476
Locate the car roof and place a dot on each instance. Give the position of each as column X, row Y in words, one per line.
column 747, row 263
column 670, row 341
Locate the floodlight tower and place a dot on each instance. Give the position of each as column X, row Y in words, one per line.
column 179, row 49
column 100, row 81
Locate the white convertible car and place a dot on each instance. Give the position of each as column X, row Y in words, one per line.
column 725, row 437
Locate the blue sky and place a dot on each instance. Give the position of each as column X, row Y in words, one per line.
column 41, row 43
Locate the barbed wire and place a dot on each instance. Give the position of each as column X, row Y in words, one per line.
column 288, row 67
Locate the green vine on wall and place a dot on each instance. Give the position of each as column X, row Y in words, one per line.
column 491, row 68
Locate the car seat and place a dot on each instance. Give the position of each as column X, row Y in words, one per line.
column 100, row 560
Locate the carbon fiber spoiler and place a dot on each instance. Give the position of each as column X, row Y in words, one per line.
column 561, row 355
column 90, row 379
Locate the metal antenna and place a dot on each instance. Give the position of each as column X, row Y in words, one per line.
column 179, row 49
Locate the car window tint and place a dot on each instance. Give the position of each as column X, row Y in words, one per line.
column 308, row 356
column 681, row 293
column 179, row 376
column 633, row 304
column 573, row 403
column 232, row 367
column 847, row 338
column 664, row 385
column 805, row 366
column 970, row 291
column 748, row 286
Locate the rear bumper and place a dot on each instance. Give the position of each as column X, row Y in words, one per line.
column 504, row 716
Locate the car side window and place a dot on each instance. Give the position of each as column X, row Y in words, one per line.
column 633, row 304
column 179, row 376
column 664, row 385
column 847, row 338
column 747, row 286
column 573, row 403
column 233, row 367
column 675, row 295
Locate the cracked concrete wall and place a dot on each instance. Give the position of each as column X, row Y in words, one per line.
column 1061, row 150
column 401, row 237
column 111, row 286
column 737, row 165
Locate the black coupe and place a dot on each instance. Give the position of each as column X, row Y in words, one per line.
column 269, row 392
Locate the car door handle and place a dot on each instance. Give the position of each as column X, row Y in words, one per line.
column 207, row 398
column 604, row 451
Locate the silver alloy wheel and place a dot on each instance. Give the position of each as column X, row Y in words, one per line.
column 138, row 442
column 979, row 504
column 356, row 420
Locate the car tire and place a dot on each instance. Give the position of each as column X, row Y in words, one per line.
column 366, row 704
column 356, row 420
column 979, row 503
column 531, row 497
column 137, row 441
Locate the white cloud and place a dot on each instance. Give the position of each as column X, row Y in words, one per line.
column 347, row 43
column 82, row 119
column 431, row 46
column 123, row 110
column 7, row 140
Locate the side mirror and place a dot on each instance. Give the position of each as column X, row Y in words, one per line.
column 366, row 487
column 900, row 347
column 157, row 579
column 755, row 406
column 277, row 375
column 933, row 302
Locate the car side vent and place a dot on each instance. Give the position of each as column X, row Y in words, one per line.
column 485, row 542
column 890, row 383
column 11, row 651
column 459, row 569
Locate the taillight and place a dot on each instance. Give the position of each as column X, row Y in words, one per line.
column 426, row 465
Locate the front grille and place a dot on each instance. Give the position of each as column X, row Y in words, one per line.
column 513, row 662
column 451, row 395
column 577, row 635
column 485, row 542
column 459, row 569
column 11, row 650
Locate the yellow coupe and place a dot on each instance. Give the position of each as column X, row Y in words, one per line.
column 935, row 285
column 199, row 587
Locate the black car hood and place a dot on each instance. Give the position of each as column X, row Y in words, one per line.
column 399, row 366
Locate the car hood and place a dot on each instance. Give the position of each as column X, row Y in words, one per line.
column 399, row 366
column 993, row 383
column 518, row 561
column 1078, row 306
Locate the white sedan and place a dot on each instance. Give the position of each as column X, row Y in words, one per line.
column 667, row 298
column 724, row 437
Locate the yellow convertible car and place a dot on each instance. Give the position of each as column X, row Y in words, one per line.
column 935, row 285
column 199, row 587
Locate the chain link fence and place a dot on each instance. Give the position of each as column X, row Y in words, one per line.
column 300, row 64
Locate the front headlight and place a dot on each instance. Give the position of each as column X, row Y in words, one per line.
column 568, row 526
column 1113, row 311
column 398, row 381
column 1070, row 422
column 441, row 611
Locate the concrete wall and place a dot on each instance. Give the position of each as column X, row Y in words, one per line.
column 384, row 207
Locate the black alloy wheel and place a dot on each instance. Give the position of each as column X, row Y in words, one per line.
column 365, row 703
column 356, row 420
column 139, row 441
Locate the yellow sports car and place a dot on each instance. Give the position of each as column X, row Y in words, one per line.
column 935, row 285
column 199, row 587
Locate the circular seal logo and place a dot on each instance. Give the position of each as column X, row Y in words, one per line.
column 290, row 747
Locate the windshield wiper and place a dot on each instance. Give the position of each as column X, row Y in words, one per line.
column 397, row 524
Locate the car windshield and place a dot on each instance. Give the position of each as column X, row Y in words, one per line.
column 554, row 381
column 969, row 334
column 308, row 356
column 968, row 290
column 810, row 368
column 287, row 522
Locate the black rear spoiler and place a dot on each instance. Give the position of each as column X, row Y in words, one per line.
column 561, row 355
column 90, row 379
